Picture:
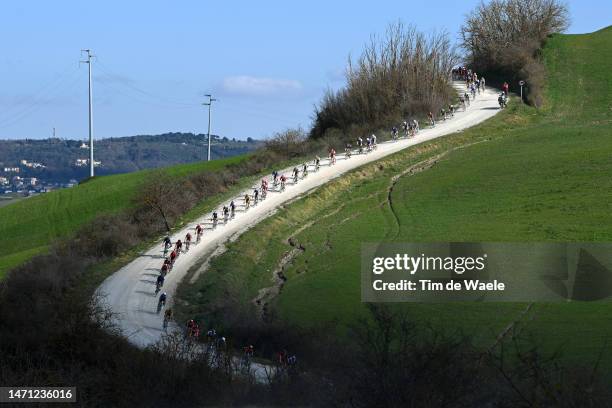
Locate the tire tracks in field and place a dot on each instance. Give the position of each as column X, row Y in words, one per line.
column 415, row 169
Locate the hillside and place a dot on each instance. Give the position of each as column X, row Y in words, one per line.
column 117, row 155
column 526, row 175
column 29, row 226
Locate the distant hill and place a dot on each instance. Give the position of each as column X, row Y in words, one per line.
column 117, row 155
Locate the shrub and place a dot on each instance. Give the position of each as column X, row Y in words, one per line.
column 504, row 37
column 403, row 74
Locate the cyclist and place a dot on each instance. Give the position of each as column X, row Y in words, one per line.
column 165, row 267
column 196, row 331
column 282, row 358
column 332, row 156
column 215, row 219
column 211, row 335
column 247, row 201
column 172, row 258
column 232, row 209
column 221, row 343
column 179, row 246
column 415, row 125
column 162, row 301
column 167, row 318
column 187, row 241
column 348, row 150
column 274, row 178
column 296, row 173
column 167, row 244
column 249, row 351
column 255, row 195
column 443, row 113
column 159, row 283
column 283, row 180
column 264, row 188
column 190, row 325
column 317, row 163
column 304, row 170
column 198, row 229
column 225, row 214
column 430, row 116
column 368, row 144
column 360, row 144
column 394, row 133
column 373, row 139
column 451, row 109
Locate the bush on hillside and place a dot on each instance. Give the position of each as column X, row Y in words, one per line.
column 504, row 38
column 403, row 74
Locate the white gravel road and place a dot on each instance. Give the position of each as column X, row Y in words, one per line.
column 130, row 292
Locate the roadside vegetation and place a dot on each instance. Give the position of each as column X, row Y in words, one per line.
column 401, row 75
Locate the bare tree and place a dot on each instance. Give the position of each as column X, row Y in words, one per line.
column 400, row 74
column 505, row 36
column 160, row 194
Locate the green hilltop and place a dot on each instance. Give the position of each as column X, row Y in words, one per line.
column 524, row 175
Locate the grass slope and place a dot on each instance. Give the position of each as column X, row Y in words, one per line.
column 525, row 175
column 29, row 226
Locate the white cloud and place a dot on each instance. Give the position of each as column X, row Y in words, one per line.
column 248, row 85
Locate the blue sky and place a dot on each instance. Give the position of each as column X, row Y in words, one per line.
column 268, row 62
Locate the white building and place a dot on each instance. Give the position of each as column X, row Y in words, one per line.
column 3, row 181
column 11, row 169
column 85, row 162
column 32, row 165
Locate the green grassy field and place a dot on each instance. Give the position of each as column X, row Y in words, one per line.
column 525, row 175
column 27, row 227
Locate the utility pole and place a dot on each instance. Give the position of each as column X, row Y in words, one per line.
column 91, row 146
column 209, row 104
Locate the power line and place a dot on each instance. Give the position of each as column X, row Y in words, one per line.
column 112, row 75
column 38, row 101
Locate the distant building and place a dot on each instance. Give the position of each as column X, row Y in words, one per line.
column 31, row 181
column 85, row 162
column 84, row 146
column 4, row 181
column 11, row 169
column 32, row 165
